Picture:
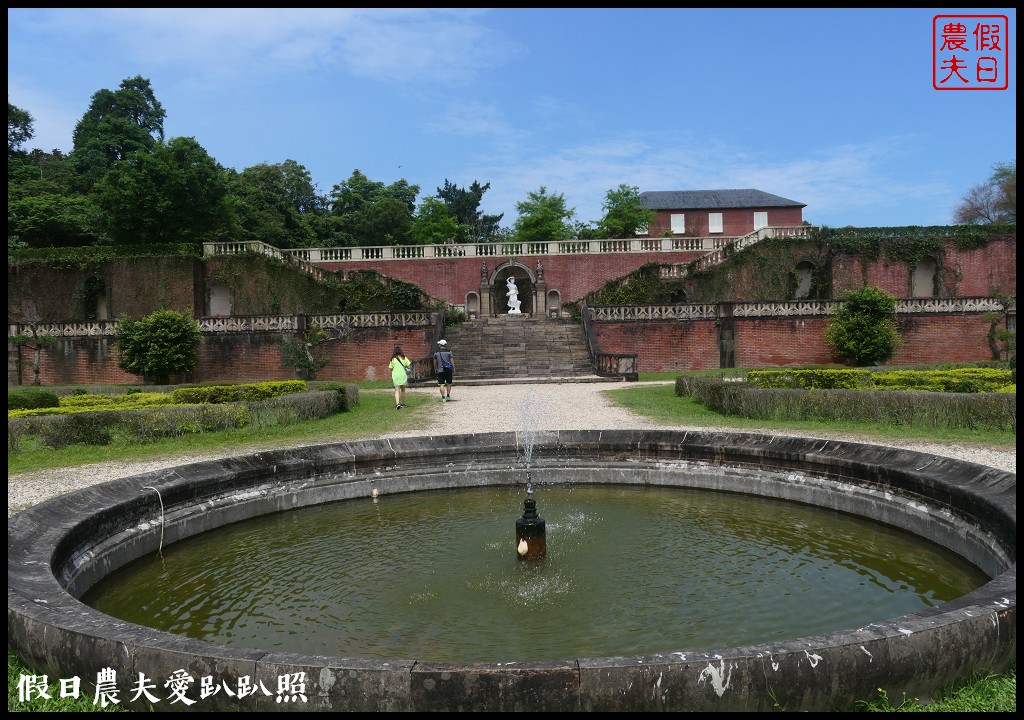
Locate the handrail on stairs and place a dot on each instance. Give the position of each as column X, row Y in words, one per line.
column 607, row 364
column 423, row 367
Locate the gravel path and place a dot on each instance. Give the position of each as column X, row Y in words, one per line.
column 573, row 406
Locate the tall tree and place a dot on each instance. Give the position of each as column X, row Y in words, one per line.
column 277, row 204
column 19, row 129
column 465, row 206
column 993, row 202
column 364, row 212
column 624, row 213
column 543, row 218
column 174, row 194
column 434, row 224
column 117, row 124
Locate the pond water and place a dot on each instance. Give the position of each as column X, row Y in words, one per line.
column 629, row 570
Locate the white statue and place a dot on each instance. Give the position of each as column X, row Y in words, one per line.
column 513, row 297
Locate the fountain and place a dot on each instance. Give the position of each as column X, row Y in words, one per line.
column 59, row 549
column 531, row 532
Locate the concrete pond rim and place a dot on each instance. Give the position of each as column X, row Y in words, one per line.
column 59, row 548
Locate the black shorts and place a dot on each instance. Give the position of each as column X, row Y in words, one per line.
column 444, row 377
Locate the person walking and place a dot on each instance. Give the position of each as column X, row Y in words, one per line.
column 445, row 364
column 399, row 375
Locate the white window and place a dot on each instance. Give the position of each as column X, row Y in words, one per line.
column 760, row 220
column 678, row 224
column 714, row 222
column 642, row 230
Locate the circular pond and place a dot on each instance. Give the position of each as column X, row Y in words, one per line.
column 61, row 549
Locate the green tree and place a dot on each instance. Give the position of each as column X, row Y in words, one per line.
column 159, row 345
column 993, row 202
column 277, row 204
column 117, row 124
column 35, row 341
column 52, row 220
column 434, row 224
column 864, row 328
column 307, row 353
column 624, row 213
column 366, row 213
column 176, row 193
column 464, row 204
column 19, row 129
column 543, row 218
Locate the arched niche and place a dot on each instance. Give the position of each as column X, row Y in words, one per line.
column 923, row 277
column 526, row 282
column 219, row 301
column 805, row 280
column 473, row 305
column 554, row 303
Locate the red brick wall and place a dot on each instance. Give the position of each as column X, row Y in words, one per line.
column 572, row 275
column 734, row 222
column 660, row 346
column 229, row 357
column 981, row 272
column 669, row 346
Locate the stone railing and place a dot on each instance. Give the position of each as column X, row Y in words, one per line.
column 261, row 248
column 606, row 364
column 704, row 311
column 244, row 323
column 314, row 256
column 724, row 247
column 597, row 313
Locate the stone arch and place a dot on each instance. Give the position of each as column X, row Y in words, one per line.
column 472, row 305
column 526, row 282
column 95, row 305
column 923, row 277
column 554, row 303
column 219, row 301
column 805, row 280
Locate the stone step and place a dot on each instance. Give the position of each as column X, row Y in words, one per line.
column 499, row 348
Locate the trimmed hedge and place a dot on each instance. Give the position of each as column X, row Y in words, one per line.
column 142, row 425
column 953, row 380
column 988, row 411
column 31, row 399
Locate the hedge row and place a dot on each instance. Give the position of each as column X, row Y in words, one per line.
column 977, row 411
column 956, row 380
column 102, row 427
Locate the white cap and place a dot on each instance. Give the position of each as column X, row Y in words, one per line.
column 442, row 342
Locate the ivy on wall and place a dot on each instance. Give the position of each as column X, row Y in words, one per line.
column 767, row 270
column 262, row 285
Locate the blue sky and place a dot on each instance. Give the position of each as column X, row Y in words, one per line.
column 831, row 108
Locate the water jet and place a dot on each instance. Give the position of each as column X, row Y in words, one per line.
column 59, row 549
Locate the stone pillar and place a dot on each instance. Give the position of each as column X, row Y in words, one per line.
column 485, row 293
column 540, row 293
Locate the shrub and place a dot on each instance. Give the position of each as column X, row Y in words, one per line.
column 31, row 399
column 159, row 345
column 864, row 327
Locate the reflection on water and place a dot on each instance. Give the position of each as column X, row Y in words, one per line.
column 629, row 571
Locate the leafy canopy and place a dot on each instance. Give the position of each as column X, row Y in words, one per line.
column 624, row 214
column 544, row 218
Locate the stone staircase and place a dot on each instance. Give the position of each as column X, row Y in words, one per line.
column 519, row 348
